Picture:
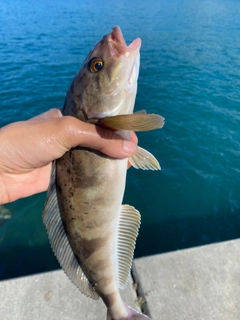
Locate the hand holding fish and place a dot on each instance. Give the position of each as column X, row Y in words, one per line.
column 29, row 147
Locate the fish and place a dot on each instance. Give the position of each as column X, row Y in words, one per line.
column 91, row 232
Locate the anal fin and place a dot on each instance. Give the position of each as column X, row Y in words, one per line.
column 144, row 160
column 59, row 241
column 127, row 233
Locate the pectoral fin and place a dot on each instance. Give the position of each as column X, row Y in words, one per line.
column 134, row 122
column 144, row 160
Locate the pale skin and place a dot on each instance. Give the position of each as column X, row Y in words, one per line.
column 28, row 149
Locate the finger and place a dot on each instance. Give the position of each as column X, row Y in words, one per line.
column 133, row 137
column 78, row 133
column 52, row 113
column 116, row 148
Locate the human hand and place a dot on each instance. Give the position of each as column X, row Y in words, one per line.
column 29, row 147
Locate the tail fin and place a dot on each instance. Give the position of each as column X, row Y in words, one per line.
column 132, row 315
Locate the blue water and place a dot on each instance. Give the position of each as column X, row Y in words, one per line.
column 190, row 74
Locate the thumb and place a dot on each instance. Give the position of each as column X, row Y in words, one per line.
column 78, row 133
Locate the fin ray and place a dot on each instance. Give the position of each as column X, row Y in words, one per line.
column 60, row 244
column 127, row 233
column 144, row 160
column 138, row 121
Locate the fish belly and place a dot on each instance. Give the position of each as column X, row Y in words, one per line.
column 90, row 189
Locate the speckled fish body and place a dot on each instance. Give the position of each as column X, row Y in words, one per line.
column 91, row 206
column 92, row 234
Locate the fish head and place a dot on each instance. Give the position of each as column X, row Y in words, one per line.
column 106, row 84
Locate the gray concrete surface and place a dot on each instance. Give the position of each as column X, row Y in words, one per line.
column 196, row 284
column 51, row 296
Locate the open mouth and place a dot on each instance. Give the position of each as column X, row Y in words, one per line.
column 120, row 44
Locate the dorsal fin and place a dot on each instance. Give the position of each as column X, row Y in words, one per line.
column 59, row 241
column 127, row 233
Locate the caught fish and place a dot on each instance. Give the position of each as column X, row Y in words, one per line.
column 91, row 232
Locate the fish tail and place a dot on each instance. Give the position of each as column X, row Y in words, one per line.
column 131, row 315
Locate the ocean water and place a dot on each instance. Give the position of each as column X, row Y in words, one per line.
column 190, row 74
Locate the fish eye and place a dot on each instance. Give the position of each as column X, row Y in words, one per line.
column 95, row 64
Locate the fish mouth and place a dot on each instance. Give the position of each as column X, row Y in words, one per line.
column 131, row 52
column 117, row 39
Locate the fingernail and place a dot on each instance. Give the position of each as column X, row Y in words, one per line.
column 129, row 147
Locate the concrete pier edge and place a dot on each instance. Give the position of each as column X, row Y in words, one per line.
column 140, row 291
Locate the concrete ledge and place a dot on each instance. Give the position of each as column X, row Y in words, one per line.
column 200, row 283
column 51, row 296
